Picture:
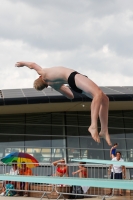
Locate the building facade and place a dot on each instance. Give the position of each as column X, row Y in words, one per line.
column 51, row 127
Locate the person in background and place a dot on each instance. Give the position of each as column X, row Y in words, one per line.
column 117, row 171
column 13, row 171
column 61, row 169
column 113, row 150
column 82, row 171
column 24, row 170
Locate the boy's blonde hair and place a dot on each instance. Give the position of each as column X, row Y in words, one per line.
column 39, row 84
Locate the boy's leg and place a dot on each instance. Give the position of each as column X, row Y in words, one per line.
column 89, row 87
column 99, row 106
column 95, row 106
column 103, row 115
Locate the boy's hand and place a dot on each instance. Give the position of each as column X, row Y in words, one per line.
column 19, row 64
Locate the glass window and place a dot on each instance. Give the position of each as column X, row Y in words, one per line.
column 115, row 122
column 129, row 134
column 95, row 154
column 83, row 131
column 119, row 135
column 58, row 142
column 121, row 143
column 128, row 122
column 46, row 155
column 72, row 124
column 57, row 120
column 118, row 114
column 12, row 140
column 73, row 142
column 2, row 152
column 128, row 127
column 124, row 154
column 14, row 149
column 38, row 129
column 41, row 154
column 84, row 121
column 38, row 118
column 87, row 144
column 58, row 153
column 107, row 154
column 116, row 132
column 94, row 145
column 73, row 153
column 84, row 153
column 72, row 130
column 37, row 141
column 129, row 143
column 12, row 118
column 130, row 154
column 129, row 149
column 84, row 142
column 12, row 128
column 57, row 130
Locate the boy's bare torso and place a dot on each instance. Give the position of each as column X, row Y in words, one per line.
column 56, row 75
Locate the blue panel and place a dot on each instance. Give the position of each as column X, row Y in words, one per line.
column 105, row 162
column 102, row 183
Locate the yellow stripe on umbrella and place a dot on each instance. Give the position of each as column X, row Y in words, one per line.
column 20, row 157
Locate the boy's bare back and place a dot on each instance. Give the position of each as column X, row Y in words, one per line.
column 56, row 74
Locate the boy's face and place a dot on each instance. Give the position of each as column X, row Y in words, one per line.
column 45, row 84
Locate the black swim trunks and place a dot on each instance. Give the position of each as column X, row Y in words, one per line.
column 71, row 82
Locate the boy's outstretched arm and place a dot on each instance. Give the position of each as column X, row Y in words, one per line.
column 30, row 65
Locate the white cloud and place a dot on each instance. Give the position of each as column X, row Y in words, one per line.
column 105, row 49
column 93, row 37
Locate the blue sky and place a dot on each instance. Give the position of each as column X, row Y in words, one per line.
column 94, row 37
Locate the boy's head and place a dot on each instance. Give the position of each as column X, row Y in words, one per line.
column 40, row 84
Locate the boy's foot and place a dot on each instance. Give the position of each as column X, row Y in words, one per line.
column 94, row 133
column 106, row 136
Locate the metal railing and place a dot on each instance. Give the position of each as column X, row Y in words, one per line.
column 96, row 171
column 87, row 171
column 42, row 169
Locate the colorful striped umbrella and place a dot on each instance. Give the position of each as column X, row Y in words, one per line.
column 21, row 157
